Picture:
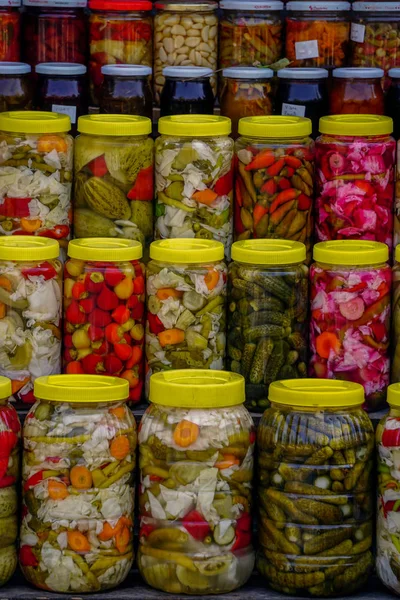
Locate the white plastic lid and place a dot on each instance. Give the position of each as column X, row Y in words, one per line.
column 10, row 3
column 357, row 73
column 60, row 68
column 318, row 6
column 376, row 6
column 126, row 70
column 395, row 73
column 56, row 3
column 247, row 73
column 302, row 73
column 187, row 72
column 14, row 68
column 243, row 5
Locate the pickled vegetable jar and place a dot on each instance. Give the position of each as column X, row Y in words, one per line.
column 15, row 88
column 61, row 87
column 35, row 174
column 186, row 34
column 388, row 533
column 303, row 92
column 78, row 484
column 194, row 178
column 355, row 158
column 317, row 34
column 250, row 33
column 392, row 101
column 114, row 178
column 274, row 179
column 246, row 92
column 54, row 31
column 350, row 315
column 187, row 91
column 267, row 316
column 196, row 444
column 10, row 30
column 186, row 302
column 395, row 345
column 30, row 311
column 357, row 91
column 315, row 495
column 120, row 31
column 126, row 90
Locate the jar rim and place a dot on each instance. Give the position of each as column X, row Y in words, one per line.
column 302, row 73
column 351, row 252
column 121, row 5
column 186, row 251
column 316, row 393
column 56, row 3
column 60, row 68
column 127, row 70
column 376, row 6
column 14, row 68
column 81, row 389
column 268, row 252
column 187, row 72
column 297, row 5
column 247, row 73
column 256, row 6
column 358, row 73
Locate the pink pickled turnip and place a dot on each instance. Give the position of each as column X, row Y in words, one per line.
column 353, row 309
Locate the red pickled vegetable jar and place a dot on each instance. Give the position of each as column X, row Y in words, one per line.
column 355, row 157
column 54, row 31
column 120, row 32
column 104, row 291
column 357, row 91
column 350, row 315
column 10, row 30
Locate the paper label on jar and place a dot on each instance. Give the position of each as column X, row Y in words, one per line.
column 307, row 49
column 293, row 110
column 357, row 32
column 65, row 110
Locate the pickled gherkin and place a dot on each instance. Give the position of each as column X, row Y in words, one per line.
column 267, row 324
column 315, row 501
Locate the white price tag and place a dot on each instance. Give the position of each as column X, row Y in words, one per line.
column 306, row 50
column 293, row 110
column 357, row 32
column 65, row 110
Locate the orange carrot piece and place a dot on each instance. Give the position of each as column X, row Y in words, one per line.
column 81, row 477
column 3, row 310
column 186, row 433
column 171, row 336
column 164, row 293
column 47, row 143
column 229, row 460
column 57, row 490
column 120, row 447
column 206, row 196
column 326, row 342
column 118, row 411
column 30, row 225
column 5, row 283
column 18, row 385
column 77, row 541
column 122, row 539
column 211, row 279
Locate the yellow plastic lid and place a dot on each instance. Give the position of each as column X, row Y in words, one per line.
column 186, row 250
column 34, row 121
column 122, row 125
column 362, row 125
column 397, row 253
column 275, row 126
column 30, row 248
column 5, row 387
column 197, row 388
column 350, row 252
column 194, row 125
column 105, row 249
column 316, row 393
column 393, row 395
column 81, row 388
column 268, row 252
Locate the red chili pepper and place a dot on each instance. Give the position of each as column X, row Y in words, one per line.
column 10, row 418
column 88, row 305
column 155, row 325
column 391, row 437
column 276, row 168
column 135, row 394
column 284, row 184
column 195, row 524
column 45, row 269
column 33, row 480
column 138, row 285
column 98, row 166
column 303, row 202
column 243, row 539
column 113, row 276
column 143, row 188
column 94, row 282
column 145, row 530
column 224, row 184
column 269, row 187
column 75, row 314
column 58, row 232
column 27, row 557
column 138, row 311
column 15, row 207
column 8, row 439
column 379, row 330
column 107, row 299
column 7, row 481
column 121, row 314
column 93, row 364
column 123, row 351
column 113, row 364
column 95, row 333
column 99, row 318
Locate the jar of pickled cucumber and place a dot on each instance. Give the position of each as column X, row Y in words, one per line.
column 350, row 315
column 30, row 311
column 196, row 444
column 78, row 484
column 267, row 336
column 315, row 494
column 186, row 302
column 10, row 435
column 194, row 172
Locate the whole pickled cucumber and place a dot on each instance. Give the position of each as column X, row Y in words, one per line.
column 247, row 358
column 274, row 285
column 106, row 199
column 275, row 363
column 89, row 224
column 264, row 317
column 262, row 354
column 268, row 330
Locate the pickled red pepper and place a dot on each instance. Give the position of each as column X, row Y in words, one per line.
column 9, row 35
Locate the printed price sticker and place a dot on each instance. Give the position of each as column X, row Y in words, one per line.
column 293, row 110
column 306, row 50
column 357, row 32
column 65, row 110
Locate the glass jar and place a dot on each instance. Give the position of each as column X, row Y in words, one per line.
column 246, row 92
column 392, row 101
column 15, row 86
column 126, row 90
column 395, row 341
column 54, row 31
column 303, row 93
column 355, row 158
column 194, row 154
column 251, row 33
column 267, row 316
column 356, row 91
column 104, row 310
column 186, row 34
column 78, row 503
column 36, row 174
column 388, row 442
column 121, row 31
column 30, row 311
column 114, row 178
column 317, row 34
column 186, row 302
column 10, row 26
column 350, row 315
column 187, row 91
column 62, row 88
column 196, row 421
column 315, row 494
column 274, row 179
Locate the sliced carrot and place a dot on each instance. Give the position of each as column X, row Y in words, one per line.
column 122, row 539
column 165, row 293
column 120, row 447
column 18, row 385
column 47, row 143
column 3, row 310
column 169, row 337
column 206, row 196
column 228, row 461
column 81, row 477
column 30, row 225
column 5, row 283
column 211, row 279
column 118, row 411
column 57, row 490
column 108, row 532
column 258, row 213
column 77, row 541
column 186, row 433
column 326, row 342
